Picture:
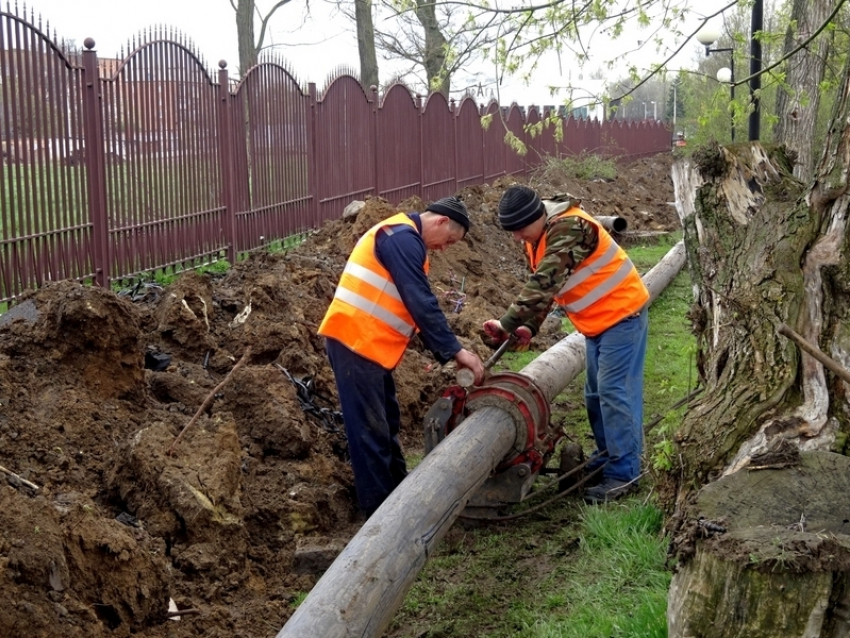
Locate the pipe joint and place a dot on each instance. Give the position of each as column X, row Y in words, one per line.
column 518, row 395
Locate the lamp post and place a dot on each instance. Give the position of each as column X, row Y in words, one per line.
column 724, row 75
column 675, row 107
column 655, row 110
column 708, row 36
column 757, row 19
column 644, row 110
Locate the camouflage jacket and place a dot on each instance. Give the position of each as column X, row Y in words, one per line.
column 568, row 241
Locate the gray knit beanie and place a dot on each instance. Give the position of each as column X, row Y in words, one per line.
column 519, row 207
column 452, row 208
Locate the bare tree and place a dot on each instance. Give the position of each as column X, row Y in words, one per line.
column 249, row 46
column 435, row 49
column 366, row 43
column 433, row 38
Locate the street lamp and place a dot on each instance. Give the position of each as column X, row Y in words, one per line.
column 655, row 111
column 644, row 110
column 708, row 36
column 724, row 75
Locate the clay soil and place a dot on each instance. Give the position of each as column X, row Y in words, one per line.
column 249, row 505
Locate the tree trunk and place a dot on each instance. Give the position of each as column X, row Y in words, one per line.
column 771, row 554
column 764, row 251
column 245, row 35
column 799, row 98
column 436, row 48
column 746, row 233
column 366, row 43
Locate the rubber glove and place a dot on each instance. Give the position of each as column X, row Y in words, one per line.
column 493, row 333
column 523, row 339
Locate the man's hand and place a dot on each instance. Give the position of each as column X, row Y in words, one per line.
column 467, row 359
column 494, row 334
column 523, row 339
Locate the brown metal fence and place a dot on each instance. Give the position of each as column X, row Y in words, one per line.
column 117, row 167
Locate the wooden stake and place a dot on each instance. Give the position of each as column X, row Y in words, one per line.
column 210, row 398
column 182, row 612
column 32, row 486
column 813, row 350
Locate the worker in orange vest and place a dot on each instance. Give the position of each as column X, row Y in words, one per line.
column 577, row 265
column 382, row 300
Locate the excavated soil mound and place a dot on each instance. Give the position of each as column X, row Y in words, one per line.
column 256, row 496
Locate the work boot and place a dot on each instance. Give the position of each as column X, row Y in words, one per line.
column 594, row 477
column 608, row 490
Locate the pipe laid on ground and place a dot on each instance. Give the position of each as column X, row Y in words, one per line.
column 613, row 223
column 361, row 591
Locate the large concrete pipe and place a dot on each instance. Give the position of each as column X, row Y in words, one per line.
column 361, row 591
column 613, row 224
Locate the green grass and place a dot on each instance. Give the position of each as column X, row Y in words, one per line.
column 580, row 572
column 621, row 546
column 58, row 192
column 569, row 570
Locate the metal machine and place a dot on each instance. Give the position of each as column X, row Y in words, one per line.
column 512, row 480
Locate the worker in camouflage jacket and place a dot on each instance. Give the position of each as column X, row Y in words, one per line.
column 576, row 264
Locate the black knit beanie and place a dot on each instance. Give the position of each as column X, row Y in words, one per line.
column 452, row 208
column 519, row 207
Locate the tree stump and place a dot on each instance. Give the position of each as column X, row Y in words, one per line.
column 767, row 552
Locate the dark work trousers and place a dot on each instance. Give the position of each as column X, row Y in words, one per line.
column 370, row 409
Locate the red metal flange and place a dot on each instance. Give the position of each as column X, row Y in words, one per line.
column 517, row 395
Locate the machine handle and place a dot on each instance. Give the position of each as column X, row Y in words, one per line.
column 464, row 376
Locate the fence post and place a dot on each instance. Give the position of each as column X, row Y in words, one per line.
column 421, row 147
column 483, row 144
column 312, row 161
column 373, row 98
column 453, row 110
column 94, row 160
column 505, row 157
column 225, row 147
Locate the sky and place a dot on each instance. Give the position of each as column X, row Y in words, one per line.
column 318, row 44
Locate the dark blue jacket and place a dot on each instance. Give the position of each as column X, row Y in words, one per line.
column 403, row 253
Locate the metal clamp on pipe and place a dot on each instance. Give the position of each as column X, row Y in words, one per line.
column 518, row 396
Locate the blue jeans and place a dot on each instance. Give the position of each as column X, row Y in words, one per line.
column 367, row 396
column 613, row 395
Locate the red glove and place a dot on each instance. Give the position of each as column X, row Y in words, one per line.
column 494, row 334
column 523, row 339
column 523, row 335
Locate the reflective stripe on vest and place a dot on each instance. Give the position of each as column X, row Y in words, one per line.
column 603, row 289
column 367, row 314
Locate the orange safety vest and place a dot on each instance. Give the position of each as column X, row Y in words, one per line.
column 367, row 314
column 604, row 289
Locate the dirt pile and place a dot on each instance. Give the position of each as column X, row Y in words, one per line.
column 257, row 495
